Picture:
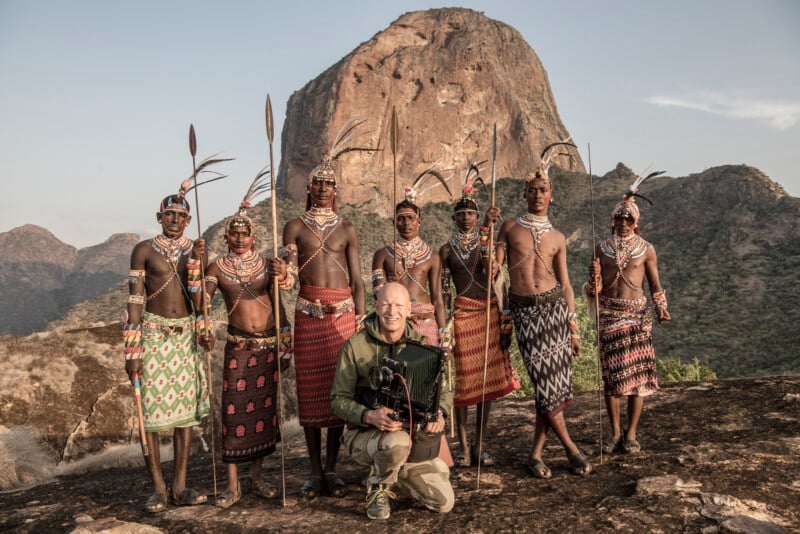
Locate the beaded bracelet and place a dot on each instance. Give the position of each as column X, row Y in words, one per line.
column 506, row 322
column 660, row 300
column 136, row 299
column 291, row 278
column 132, row 340
column 573, row 322
column 445, row 339
column 203, row 325
column 195, row 277
column 285, row 344
column 360, row 322
column 484, row 239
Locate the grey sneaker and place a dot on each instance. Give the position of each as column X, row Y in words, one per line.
column 378, row 502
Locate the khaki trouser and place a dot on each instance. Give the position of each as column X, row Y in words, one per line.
column 427, row 482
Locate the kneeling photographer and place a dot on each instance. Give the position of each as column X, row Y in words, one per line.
column 378, row 436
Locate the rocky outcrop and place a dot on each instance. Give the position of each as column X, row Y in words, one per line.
column 42, row 277
column 451, row 74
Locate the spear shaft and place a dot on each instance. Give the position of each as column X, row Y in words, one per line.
column 490, row 252
column 275, row 285
column 206, row 304
column 137, row 393
column 596, row 302
column 393, row 139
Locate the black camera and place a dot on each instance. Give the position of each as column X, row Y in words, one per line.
column 408, row 384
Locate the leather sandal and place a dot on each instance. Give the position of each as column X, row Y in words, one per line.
column 188, row 497
column 538, row 469
column 486, row 459
column 335, row 485
column 612, row 445
column 228, row 498
column 258, row 487
column 580, row 465
column 463, row 459
column 312, row 487
column 156, row 504
column 631, row 446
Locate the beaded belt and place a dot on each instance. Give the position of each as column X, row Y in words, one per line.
column 536, row 300
column 318, row 311
column 422, row 316
column 169, row 330
column 243, row 342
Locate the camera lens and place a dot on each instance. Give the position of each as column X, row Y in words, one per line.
column 380, row 377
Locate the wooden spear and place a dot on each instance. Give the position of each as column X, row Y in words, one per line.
column 275, row 282
column 206, row 305
column 490, row 252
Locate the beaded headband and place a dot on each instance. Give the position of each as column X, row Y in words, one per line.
column 546, row 156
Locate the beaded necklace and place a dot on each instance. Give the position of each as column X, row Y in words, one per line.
column 622, row 250
column 171, row 249
column 241, row 268
column 411, row 252
column 464, row 244
column 321, row 218
column 538, row 225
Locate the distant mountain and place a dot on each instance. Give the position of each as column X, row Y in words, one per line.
column 41, row 277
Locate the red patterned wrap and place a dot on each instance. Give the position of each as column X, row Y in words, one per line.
column 316, row 351
column 469, row 327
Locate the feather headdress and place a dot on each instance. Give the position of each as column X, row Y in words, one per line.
column 472, row 180
column 342, row 144
column 415, row 190
column 627, row 206
column 259, row 185
column 546, row 156
column 190, row 183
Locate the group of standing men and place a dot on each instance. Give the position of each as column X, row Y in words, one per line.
column 335, row 344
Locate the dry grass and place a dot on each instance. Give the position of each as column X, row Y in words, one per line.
column 24, row 459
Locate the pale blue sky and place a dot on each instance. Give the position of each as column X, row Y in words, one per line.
column 96, row 97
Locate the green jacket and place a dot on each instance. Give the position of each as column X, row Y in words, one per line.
column 358, row 354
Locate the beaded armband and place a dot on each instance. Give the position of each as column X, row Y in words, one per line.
column 136, row 299
column 135, row 275
column 660, row 300
column 288, row 250
column 285, row 343
column 203, row 325
column 291, row 277
column 378, row 274
column 506, row 322
column 360, row 322
column 195, row 279
column 132, row 340
column 484, row 239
